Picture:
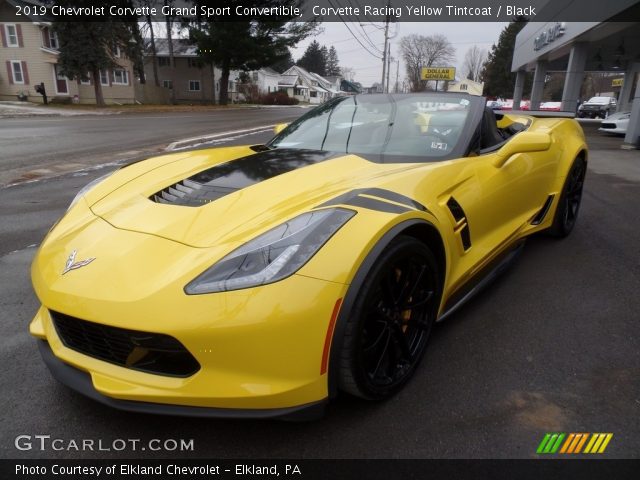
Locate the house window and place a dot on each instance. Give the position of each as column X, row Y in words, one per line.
column 116, row 51
column 313, row 94
column 163, row 61
column 463, row 86
column 62, row 88
column 167, row 84
column 18, row 74
column 255, row 76
column 104, row 78
column 53, row 39
column 230, row 87
column 193, row 63
column 87, row 81
column 12, row 35
column 120, row 77
column 194, row 85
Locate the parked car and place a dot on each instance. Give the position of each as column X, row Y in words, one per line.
column 258, row 280
column 550, row 106
column 600, row 107
column 616, row 123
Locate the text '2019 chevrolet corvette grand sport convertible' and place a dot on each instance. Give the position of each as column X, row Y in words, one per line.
column 258, row 281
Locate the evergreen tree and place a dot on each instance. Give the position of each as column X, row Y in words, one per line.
column 332, row 63
column 285, row 63
column 250, row 42
column 313, row 60
column 498, row 79
column 86, row 47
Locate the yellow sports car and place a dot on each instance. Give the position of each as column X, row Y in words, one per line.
column 258, row 281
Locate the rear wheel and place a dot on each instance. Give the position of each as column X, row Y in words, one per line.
column 570, row 199
column 387, row 334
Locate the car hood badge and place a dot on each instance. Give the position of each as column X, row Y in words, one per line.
column 73, row 265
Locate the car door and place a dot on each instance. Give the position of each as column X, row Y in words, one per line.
column 505, row 191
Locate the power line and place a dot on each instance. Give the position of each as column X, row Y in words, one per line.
column 352, row 34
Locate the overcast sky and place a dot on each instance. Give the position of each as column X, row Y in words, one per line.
column 368, row 69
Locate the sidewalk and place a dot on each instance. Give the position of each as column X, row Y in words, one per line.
column 27, row 109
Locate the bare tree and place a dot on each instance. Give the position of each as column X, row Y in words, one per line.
column 347, row 73
column 473, row 62
column 424, row 51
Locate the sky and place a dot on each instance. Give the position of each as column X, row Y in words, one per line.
column 368, row 68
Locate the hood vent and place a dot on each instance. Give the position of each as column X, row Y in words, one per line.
column 220, row 180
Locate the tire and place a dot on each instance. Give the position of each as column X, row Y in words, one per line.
column 569, row 204
column 384, row 342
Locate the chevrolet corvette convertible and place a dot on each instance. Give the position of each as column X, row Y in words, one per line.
column 259, row 281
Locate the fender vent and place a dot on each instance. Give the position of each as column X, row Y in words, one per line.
column 540, row 216
column 461, row 225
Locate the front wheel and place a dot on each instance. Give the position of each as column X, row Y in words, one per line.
column 569, row 204
column 387, row 333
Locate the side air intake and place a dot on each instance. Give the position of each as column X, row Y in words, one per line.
column 461, row 227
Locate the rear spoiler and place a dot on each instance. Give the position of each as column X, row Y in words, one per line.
column 541, row 113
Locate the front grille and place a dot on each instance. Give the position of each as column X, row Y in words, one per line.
column 145, row 351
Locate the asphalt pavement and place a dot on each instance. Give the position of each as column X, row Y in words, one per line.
column 552, row 346
column 39, row 147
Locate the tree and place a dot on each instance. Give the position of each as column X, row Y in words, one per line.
column 347, row 73
column 285, row 63
column 473, row 62
column 332, row 63
column 314, row 59
column 87, row 47
column 498, row 79
column 424, row 51
column 249, row 43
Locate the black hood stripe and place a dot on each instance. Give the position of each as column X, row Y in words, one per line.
column 362, row 197
column 220, row 180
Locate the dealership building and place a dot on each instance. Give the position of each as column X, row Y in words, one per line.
column 610, row 45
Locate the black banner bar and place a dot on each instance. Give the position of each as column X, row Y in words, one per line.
column 325, row 10
column 583, row 469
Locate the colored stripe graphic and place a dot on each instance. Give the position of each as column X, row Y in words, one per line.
column 598, row 442
column 573, row 443
column 550, row 443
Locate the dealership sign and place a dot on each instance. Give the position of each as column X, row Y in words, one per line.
column 549, row 35
column 438, row 73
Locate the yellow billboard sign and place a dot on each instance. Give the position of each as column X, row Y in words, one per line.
column 438, row 73
column 617, row 82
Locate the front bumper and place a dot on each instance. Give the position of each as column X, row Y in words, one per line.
column 81, row 382
column 257, row 355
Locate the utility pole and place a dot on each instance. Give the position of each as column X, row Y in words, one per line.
column 397, row 87
column 388, row 67
column 386, row 43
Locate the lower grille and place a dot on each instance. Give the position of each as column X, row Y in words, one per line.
column 148, row 352
column 607, row 125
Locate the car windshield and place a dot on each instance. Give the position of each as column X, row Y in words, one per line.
column 386, row 128
column 599, row 100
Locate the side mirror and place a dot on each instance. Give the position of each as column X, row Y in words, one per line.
column 279, row 127
column 521, row 143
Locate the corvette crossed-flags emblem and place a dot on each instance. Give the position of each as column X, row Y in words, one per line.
column 73, row 265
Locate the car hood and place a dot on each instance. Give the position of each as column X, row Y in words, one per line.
column 618, row 116
column 203, row 199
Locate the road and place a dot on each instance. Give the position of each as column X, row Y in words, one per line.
column 33, row 147
column 552, row 346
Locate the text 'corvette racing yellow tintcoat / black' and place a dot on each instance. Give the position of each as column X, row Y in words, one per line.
column 258, row 281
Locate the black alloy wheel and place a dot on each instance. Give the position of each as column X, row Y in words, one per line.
column 570, row 199
column 387, row 333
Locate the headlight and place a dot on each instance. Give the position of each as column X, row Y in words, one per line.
column 274, row 255
column 86, row 188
